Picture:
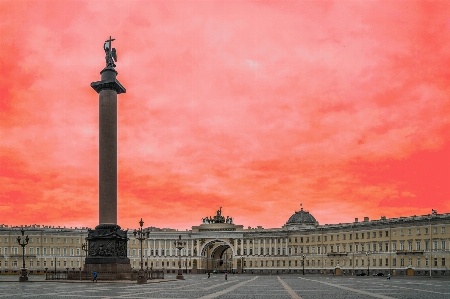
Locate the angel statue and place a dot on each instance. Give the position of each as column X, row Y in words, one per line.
column 110, row 52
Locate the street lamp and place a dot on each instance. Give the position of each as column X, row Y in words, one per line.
column 179, row 245
column 23, row 242
column 242, row 264
column 141, row 236
column 303, row 264
column 368, row 262
column 85, row 248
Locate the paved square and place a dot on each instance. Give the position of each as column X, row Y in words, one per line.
column 236, row 287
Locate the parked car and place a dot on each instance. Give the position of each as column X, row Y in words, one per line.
column 378, row 274
column 361, row 274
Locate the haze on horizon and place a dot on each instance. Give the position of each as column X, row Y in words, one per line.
column 254, row 106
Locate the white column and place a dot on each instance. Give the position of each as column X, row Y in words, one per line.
column 242, row 246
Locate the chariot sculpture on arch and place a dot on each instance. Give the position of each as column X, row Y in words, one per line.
column 111, row 55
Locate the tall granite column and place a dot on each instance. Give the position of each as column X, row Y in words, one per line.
column 108, row 242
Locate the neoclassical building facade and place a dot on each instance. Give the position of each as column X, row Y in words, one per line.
column 415, row 245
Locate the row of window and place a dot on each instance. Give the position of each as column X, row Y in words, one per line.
column 44, row 239
column 45, row 264
column 37, row 251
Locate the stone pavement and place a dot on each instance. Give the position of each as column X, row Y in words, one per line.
column 236, row 287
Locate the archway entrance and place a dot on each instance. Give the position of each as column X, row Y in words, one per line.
column 217, row 256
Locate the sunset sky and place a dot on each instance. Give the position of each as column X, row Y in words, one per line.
column 343, row 106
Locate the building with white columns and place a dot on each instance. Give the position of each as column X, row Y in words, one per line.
column 414, row 245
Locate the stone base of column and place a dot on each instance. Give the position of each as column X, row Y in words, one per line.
column 107, row 253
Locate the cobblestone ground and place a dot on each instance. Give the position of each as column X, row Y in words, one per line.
column 236, row 287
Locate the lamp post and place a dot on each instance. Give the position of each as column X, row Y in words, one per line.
column 23, row 242
column 179, row 245
column 303, row 263
column 141, row 236
column 242, row 264
column 368, row 262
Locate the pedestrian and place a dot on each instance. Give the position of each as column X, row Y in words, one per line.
column 94, row 276
column 226, row 276
column 389, row 276
column 209, row 274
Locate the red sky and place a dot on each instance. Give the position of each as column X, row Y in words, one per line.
column 253, row 106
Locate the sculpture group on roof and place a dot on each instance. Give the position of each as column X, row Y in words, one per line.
column 218, row 218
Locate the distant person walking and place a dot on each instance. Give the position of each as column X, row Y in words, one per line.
column 94, row 276
column 226, row 276
column 389, row 276
column 209, row 274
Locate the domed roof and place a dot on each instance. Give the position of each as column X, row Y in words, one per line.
column 301, row 217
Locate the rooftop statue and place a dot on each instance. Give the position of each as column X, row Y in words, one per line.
column 111, row 55
column 218, row 218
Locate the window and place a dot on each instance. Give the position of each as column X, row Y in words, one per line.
column 443, row 244
column 350, row 236
column 409, row 232
column 434, row 230
column 402, row 245
column 435, row 262
column 426, row 261
column 402, row 262
column 387, row 233
column 386, row 246
column 410, row 245
column 426, row 230
column 387, row 262
column 31, row 250
column 38, row 251
column 58, row 240
column 443, row 262
column 417, row 245
column 418, row 262
column 418, row 232
column 401, row 232
column 442, row 230
column 65, row 241
column 394, row 262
